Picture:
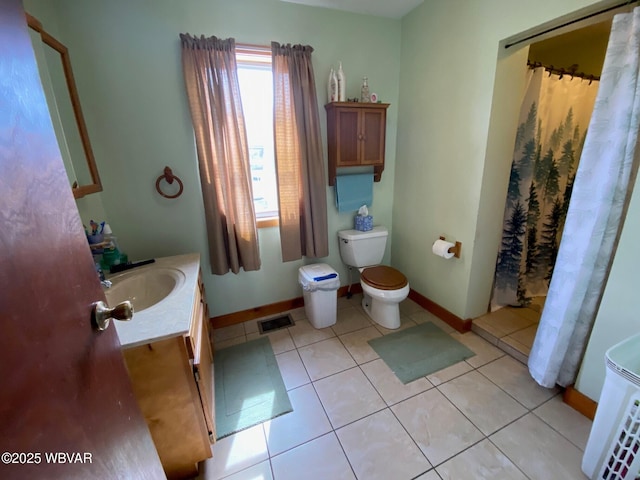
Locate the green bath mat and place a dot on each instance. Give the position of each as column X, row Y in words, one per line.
column 419, row 351
column 248, row 387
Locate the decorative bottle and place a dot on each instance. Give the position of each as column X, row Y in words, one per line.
column 332, row 87
column 364, row 91
column 342, row 85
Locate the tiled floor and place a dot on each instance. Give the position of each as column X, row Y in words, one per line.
column 511, row 329
column 352, row 419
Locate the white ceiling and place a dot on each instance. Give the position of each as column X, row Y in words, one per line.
column 380, row 8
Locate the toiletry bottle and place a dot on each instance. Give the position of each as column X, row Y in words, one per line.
column 364, row 91
column 332, row 90
column 342, row 85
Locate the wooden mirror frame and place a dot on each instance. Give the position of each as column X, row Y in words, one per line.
column 79, row 191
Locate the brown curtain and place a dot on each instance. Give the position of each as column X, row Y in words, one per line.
column 211, row 80
column 300, row 168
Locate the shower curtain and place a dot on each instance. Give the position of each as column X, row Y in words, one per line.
column 601, row 194
column 552, row 126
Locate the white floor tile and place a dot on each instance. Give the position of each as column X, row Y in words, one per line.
column 569, row 422
column 298, row 314
column 449, row 373
column 424, row 316
column 484, row 351
column 251, row 326
column 319, row 459
column 437, row 426
column 292, row 370
column 349, row 320
column 387, row 384
column 262, row 471
column 378, row 448
column 281, row 340
column 539, row 451
column 443, row 426
column 355, row 301
column 483, row 461
column 235, row 453
column 482, row 402
column 226, row 333
column 325, row 358
column 358, row 344
column 306, row 422
column 408, row 307
column 430, row 475
column 348, row 396
column 220, row 344
column 405, row 322
column 303, row 333
column 514, row 378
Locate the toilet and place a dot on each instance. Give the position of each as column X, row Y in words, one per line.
column 383, row 287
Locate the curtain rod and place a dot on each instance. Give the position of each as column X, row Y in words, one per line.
column 570, row 22
column 571, row 71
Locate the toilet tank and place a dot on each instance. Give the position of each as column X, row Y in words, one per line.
column 362, row 249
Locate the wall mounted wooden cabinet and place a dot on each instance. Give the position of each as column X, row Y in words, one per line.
column 356, row 136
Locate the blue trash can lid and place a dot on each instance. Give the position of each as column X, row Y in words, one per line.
column 317, row 273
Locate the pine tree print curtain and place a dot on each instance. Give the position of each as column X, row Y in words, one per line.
column 601, row 192
column 553, row 120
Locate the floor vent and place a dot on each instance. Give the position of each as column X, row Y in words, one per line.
column 272, row 324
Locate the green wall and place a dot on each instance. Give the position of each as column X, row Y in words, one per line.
column 126, row 59
column 460, row 94
column 452, row 169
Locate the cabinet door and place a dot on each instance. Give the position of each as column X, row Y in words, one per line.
column 348, row 137
column 373, row 133
column 202, row 369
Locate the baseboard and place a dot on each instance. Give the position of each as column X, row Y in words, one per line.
column 580, row 402
column 279, row 307
column 453, row 320
column 271, row 309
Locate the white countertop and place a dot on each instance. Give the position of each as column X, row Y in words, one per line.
column 169, row 318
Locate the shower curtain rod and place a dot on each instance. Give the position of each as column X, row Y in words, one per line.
column 570, row 22
column 571, row 71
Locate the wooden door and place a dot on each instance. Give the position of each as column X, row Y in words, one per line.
column 66, row 405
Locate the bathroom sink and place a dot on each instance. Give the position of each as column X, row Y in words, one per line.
column 144, row 288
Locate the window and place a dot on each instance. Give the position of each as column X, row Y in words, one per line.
column 256, row 90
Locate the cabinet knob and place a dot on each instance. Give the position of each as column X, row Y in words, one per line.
column 102, row 314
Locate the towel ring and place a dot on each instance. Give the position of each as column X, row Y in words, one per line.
column 169, row 177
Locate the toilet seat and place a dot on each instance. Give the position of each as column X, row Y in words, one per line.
column 383, row 277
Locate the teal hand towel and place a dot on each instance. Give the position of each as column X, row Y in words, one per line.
column 353, row 191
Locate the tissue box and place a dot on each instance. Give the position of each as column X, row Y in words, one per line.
column 364, row 223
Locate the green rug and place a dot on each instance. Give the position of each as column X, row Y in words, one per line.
column 419, row 351
column 248, row 387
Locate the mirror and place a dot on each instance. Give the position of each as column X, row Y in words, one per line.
column 64, row 106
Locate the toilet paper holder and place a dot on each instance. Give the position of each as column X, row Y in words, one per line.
column 455, row 249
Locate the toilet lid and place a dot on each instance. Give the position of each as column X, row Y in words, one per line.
column 383, row 278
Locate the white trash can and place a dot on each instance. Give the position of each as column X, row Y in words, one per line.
column 613, row 448
column 320, row 285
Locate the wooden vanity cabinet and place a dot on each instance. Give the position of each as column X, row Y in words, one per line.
column 172, row 382
column 356, row 136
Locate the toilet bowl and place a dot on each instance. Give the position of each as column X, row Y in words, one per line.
column 383, row 287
